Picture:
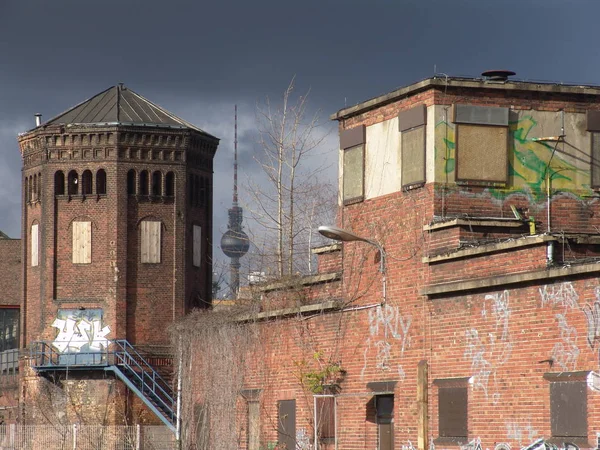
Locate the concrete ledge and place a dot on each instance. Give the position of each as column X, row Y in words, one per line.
column 329, row 305
column 458, row 287
column 489, row 248
column 327, row 248
column 496, row 222
column 300, row 281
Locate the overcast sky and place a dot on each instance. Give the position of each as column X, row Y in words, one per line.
column 199, row 58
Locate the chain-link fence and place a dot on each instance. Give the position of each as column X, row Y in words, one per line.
column 86, row 437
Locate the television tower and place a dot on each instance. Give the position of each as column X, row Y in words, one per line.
column 235, row 242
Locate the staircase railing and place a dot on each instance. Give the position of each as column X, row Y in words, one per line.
column 125, row 361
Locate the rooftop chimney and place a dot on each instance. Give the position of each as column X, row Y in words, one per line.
column 38, row 119
column 497, row 75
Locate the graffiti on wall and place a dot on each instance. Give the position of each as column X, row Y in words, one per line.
column 80, row 330
column 561, row 295
column 565, row 352
column 387, row 326
column 303, row 440
column 520, row 433
column 488, row 351
column 528, row 160
column 592, row 317
column 475, row 444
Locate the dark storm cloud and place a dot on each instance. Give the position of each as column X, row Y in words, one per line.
column 197, row 59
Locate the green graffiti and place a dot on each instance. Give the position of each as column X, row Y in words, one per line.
column 530, row 162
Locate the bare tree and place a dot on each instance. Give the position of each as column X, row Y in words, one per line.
column 284, row 206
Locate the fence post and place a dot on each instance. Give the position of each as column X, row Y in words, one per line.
column 138, row 437
column 11, row 439
column 74, row 436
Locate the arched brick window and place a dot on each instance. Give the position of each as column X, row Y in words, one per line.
column 59, row 183
column 131, row 182
column 144, row 182
column 26, row 190
column 170, row 184
column 101, row 182
column 86, row 182
column 73, row 183
column 198, row 190
column 34, row 192
column 39, row 186
column 156, row 183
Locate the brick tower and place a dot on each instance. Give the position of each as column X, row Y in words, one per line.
column 117, row 208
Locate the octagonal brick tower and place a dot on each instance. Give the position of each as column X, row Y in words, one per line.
column 117, row 208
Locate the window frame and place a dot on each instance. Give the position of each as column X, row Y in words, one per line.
column 448, row 433
column 353, row 139
column 35, row 244
column 568, row 380
column 146, row 257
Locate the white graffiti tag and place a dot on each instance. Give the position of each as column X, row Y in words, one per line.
column 386, row 326
column 566, row 352
column 562, row 294
column 74, row 334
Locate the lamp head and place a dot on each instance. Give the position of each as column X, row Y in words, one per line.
column 339, row 235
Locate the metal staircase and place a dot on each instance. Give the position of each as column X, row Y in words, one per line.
column 120, row 358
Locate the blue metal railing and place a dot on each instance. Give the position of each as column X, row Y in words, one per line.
column 121, row 358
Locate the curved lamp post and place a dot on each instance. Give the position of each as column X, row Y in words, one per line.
column 339, row 234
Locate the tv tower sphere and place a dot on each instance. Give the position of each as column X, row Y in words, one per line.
column 235, row 244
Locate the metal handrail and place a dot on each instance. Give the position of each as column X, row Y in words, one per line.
column 119, row 353
column 125, row 357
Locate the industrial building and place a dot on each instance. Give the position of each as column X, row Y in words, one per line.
column 458, row 305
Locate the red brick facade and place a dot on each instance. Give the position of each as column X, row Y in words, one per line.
column 505, row 315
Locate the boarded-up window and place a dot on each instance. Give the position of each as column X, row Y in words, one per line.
column 352, row 142
column 150, row 241
column 35, row 236
column 353, row 179
column 413, row 156
column 326, row 418
column 481, row 143
column 197, row 245
column 286, row 429
column 595, row 159
column 568, row 409
column 82, row 242
column 452, row 403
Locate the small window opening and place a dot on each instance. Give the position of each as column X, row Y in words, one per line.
column 198, row 190
column 34, row 193
column 156, row 179
column 131, row 182
column 170, row 184
column 39, row 187
column 59, row 183
column 26, row 190
column 144, row 182
column 73, row 183
column 101, row 182
column 86, row 182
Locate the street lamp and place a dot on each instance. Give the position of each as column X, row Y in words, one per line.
column 342, row 235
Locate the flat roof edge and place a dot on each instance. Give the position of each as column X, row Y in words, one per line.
column 471, row 83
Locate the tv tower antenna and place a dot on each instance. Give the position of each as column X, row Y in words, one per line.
column 235, row 242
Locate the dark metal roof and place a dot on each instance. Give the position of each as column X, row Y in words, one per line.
column 120, row 105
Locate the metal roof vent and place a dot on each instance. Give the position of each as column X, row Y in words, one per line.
column 497, row 75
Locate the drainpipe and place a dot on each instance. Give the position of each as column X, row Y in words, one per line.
column 550, row 247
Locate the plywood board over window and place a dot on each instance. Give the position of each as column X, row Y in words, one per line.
column 150, row 239
column 82, row 242
column 352, row 142
column 482, row 137
column 35, row 236
column 411, row 123
column 197, row 245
